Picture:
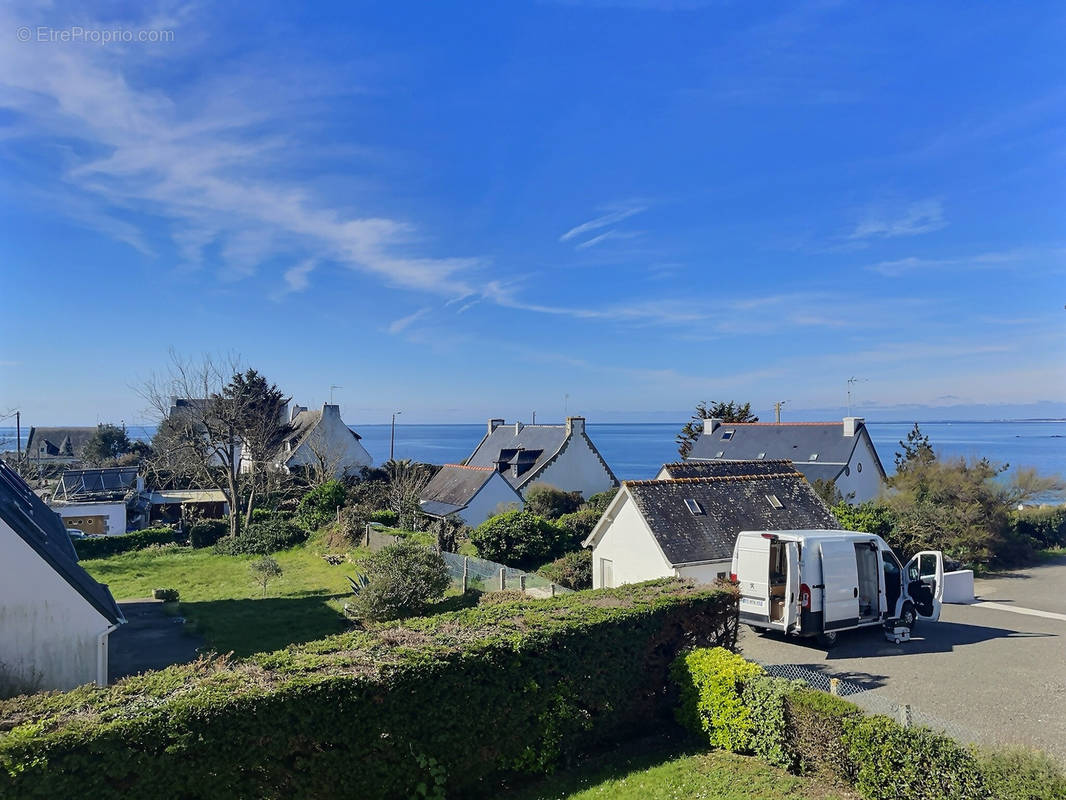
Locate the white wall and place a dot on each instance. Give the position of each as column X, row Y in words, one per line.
column 706, row 573
column 496, row 492
column 334, row 442
column 629, row 544
column 48, row 632
column 115, row 513
column 576, row 469
column 864, row 482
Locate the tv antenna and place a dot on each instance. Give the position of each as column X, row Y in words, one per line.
column 331, row 388
column 851, row 382
column 566, row 405
column 777, row 410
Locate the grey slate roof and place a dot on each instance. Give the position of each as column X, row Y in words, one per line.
column 58, row 441
column 796, row 441
column 730, row 504
column 297, row 431
column 43, row 530
column 716, row 469
column 524, row 452
column 452, row 489
column 83, row 484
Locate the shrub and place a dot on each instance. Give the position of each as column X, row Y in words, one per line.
column 166, row 595
column 401, row 580
column 551, row 503
column 1022, row 775
column 319, row 506
column 578, row 526
column 518, row 538
column 710, row 682
column 372, row 713
column 599, row 501
column 764, row 696
column 351, row 529
column 1043, row 527
column 373, row 494
column 207, row 532
column 816, row 723
column 385, row 516
column 574, row 570
column 262, row 538
column 102, row 546
column 264, row 569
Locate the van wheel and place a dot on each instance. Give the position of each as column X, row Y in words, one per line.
column 907, row 616
column 756, row 629
column 827, row 639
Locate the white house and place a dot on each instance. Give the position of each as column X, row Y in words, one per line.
column 562, row 456
column 54, row 618
column 686, row 527
column 841, row 452
column 320, row 440
column 472, row 494
column 100, row 501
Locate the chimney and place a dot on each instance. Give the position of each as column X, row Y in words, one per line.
column 575, row 425
column 329, row 410
column 711, row 425
column 296, row 409
column 494, row 424
column 517, row 428
column 852, row 425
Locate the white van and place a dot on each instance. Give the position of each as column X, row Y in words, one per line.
column 817, row 583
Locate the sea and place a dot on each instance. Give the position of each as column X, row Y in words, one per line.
column 635, row 451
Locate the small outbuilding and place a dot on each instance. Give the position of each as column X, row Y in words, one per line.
column 472, row 494
column 54, row 618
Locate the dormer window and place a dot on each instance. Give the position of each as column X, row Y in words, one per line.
column 774, row 502
column 694, row 508
column 813, row 457
column 719, row 454
column 761, row 456
column 727, row 435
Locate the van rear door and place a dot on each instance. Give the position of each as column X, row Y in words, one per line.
column 753, row 576
column 925, row 583
column 792, row 584
column 840, row 577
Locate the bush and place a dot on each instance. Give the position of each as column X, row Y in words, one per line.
column 373, row 494
column 262, row 538
column 385, row 516
column 207, row 532
column 764, row 697
column 1022, row 775
column 264, row 569
column 599, row 501
column 551, row 503
column 372, row 713
column 710, row 682
column 319, row 506
column 574, row 570
column 166, row 595
column 816, row 723
column 401, row 580
column 103, row 546
column 518, row 538
column 1043, row 527
column 578, row 525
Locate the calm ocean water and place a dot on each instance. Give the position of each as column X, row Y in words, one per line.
column 636, row 451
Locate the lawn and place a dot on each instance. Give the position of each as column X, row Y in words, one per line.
column 225, row 605
column 661, row 768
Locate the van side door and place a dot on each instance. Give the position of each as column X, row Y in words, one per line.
column 840, row 576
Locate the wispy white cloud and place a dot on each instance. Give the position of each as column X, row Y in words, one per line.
column 403, row 323
column 611, row 218
column 924, row 216
column 298, row 278
column 1005, row 259
column 612, row 234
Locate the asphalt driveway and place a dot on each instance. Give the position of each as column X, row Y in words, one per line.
column 150, row 639
column 998, row 674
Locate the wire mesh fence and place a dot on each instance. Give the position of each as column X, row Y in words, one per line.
column 489, row 576
column 863, row 695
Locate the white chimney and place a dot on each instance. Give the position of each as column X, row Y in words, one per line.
column 711, row 425
column 575, row 425
column 494, row 424
column 852, row 425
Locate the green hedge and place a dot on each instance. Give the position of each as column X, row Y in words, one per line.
column 740, row 708
column 452, row 702
column 102, row 546
column 207, row 532
column 262, row 538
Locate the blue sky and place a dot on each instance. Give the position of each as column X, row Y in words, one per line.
column 620, row 207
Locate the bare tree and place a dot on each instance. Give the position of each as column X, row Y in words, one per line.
column 407, row 479
column 325, row 459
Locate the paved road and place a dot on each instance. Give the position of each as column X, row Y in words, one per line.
column 150, row 639
column 995, row 673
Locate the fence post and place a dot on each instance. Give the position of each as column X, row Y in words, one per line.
column 367, row 534
column 834, row 687
column 466, row 572
column 905, row 715
column 338, row 513
column 553, row 590
column 522, row 582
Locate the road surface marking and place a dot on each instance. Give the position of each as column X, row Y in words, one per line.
column 1032, row 612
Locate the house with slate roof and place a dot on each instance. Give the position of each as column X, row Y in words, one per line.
column 104, row 501
column 842, row 452
column 54, row 618
column 57, row 445
column 319, row 439
column 562, row 456
column 687, row 526
column 472, row 494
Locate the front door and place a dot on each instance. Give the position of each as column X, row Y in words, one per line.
column 925, row 583
column 606, row 573
column 840, row 577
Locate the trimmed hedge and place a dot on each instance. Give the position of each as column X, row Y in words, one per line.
column 102, row 546
column 574, row 570
column 262, row 538
column 207, row 532
column 450, row 703
column 740, row 708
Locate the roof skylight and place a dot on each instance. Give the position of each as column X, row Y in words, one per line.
column 693, row 507
column 773, row 501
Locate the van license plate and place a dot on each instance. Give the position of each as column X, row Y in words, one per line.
column 752, row 604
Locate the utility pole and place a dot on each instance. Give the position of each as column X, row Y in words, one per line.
column 392, row 437
column 777, row 410
column 18, row 438
column 566, row 405
column 534, row 422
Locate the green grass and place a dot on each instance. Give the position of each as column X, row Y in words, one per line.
column 226, row 606
column 658, row 769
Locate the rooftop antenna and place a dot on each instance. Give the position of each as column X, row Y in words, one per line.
column 777, row 410
column 331, row 388
column 851, row 382
column 566, row 405
column 534, row 418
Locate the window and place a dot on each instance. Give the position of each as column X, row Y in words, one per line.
column 727, row 435
column 719, row 454
column 773, row 501
column 693, row 507
column 762, row 456
column 813, row 457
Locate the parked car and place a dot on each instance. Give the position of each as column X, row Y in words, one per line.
column 74, row 533
column 818, row 583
